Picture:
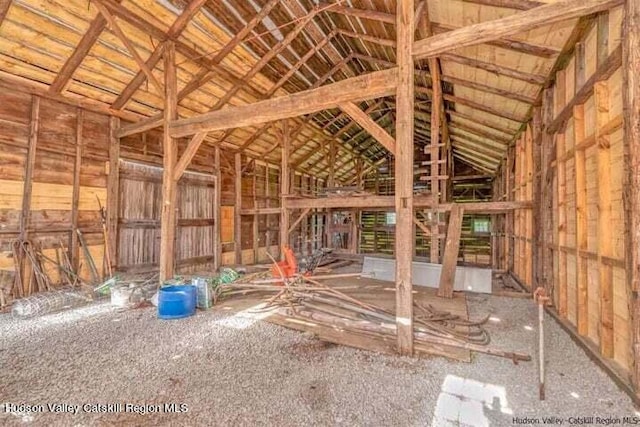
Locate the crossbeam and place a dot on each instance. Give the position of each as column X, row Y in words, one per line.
column 367, row 123
column 491, row 30
column 368, row 86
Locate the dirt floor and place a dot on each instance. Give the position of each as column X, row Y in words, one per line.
column 224, row 367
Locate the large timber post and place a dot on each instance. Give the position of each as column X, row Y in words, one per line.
column 285, row 182
column 168, row 216
column 631, row 194
column 404, row 239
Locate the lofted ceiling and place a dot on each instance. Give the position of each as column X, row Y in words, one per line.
column 234, row 52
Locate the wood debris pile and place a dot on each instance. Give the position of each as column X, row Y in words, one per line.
column 308, row 299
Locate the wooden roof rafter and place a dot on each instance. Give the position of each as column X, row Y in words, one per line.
column 478, row 149
column 115, row 28
column 205, row 73
column 282, row 81
column 506, row 43
column 534, row 79
column 491, row 30
column 488, row 159
column 474, row 165
column 4, row 9
column 80, row 52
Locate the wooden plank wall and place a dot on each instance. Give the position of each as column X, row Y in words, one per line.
column 260, row 189
column 60, row 152
column 139, row 220
column 581, row 177
column 68, row 167
column 522, row 190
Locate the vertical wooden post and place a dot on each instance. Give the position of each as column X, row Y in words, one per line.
column 113, row 191
column 26, row 273
column 537, row 238
column 256, row 237
column 75, row 196
column 436, row 103
column 528, row 213
column 169, row 195
column 285, row 182
column 237, row 217
column 404, row 239
column 562, row 226
column 509, row 219
column 548, row 152
column 582, row 265
column 332, row 164
column 217, row 213
column 631, row 195
column 34, row 125
column 267, row 194
column 605, row 217
column 582, row 296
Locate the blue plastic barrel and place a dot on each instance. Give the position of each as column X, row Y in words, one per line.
column 175, row 302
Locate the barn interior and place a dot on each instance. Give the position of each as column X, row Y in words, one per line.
column 443, row 196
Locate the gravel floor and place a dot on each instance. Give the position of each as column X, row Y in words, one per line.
column 233, row 370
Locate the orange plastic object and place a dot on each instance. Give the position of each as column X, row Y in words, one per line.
column 289, row 266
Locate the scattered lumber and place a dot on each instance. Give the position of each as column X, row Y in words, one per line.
column 306, row 298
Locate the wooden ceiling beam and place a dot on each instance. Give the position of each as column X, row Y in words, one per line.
column 249, row 141
column 79, row 53
column 367, row 123
column 481, row 133
column 329, row 74
column 506, row 43
column 520, row 22
column 175, row 30
column 205, row 74
column 140, row 126
column 489, row 89
column 473, row 104
column 484, row 108
column 456, row 80
column 341, row 145
column 373, row 15
column 480, row 148
column 184, row 49
column 307, row 156
column 508, row 4
column 128, row 92
column 4, row 9
column 534, row 79
column 490, row 125
column 111, row 21
column 352, row 123
column 476, row 162
column 474, row 165
column 11, row 82
column 477, row 158
column 258, row 66
column 369, row 38
column 363, row 131
column 474, row 153
column 277, row 86
column 472, row 139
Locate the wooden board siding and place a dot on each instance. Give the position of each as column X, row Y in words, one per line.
column 58, row 200
column 587, row 246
